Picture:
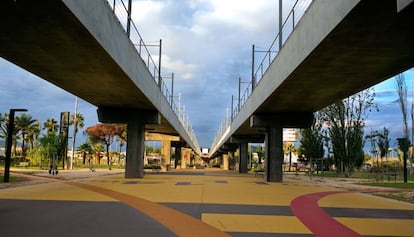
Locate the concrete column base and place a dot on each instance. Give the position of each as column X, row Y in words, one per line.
column 225, row 162
column 243, row 154
column 134, row 167
column 274, row 154
column 165, row 155
column 136, row 120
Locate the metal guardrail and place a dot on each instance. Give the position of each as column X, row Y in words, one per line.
column 122, row 10
column 289, row 25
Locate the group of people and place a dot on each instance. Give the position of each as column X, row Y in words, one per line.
column 53, row 169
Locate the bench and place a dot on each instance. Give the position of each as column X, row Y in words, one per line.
column 391, row 175
column 22, row 164
column 259, row 174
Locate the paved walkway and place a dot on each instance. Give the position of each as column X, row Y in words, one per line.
column 196, row 203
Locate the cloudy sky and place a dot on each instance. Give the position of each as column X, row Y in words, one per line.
column 207, row 45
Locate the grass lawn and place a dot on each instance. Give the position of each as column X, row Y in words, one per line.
column 391, row 185
column 11, row 179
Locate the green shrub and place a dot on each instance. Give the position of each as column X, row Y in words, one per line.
column 152, row 167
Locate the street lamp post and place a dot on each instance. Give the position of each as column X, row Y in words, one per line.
column 9, row 142
column 108, row 142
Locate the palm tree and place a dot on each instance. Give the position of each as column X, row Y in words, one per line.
column 77, row 122
column 3, row 128
column 4, row 120
column 97, row 148
column 51, row 125
column 23, row 123
column 33, row 133
column 86, row 149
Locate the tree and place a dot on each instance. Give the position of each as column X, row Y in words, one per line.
column 383, row 143
column 346, row 121
column 24, row 123
column 288, row 148
column 122, row 140
column 401, row 87
column 380, row 143
column 3, row 132
column 105, row 133
column 260, row 153
column 77, row 121
column 52, row 146
column 97, row 148
column 3, row 129
column 85, row 149
column 372, row 138
column 402, row 98
column 51, row 125
column 312, row 140
column 33, row 133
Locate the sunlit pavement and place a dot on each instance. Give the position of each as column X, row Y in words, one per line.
column 195, row 203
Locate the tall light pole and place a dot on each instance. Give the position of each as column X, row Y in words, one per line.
column 75, row 129
column 9, row 142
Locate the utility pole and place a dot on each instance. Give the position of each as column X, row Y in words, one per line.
column 129, row 17
column 172, row 89
column 280, row 23
column 75, row 130
column 238, row 107
column 159, row 66
column 253, row 77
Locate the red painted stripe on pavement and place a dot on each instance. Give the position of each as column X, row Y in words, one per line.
column 307, row 210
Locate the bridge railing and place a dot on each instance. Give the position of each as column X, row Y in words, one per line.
column 294, row 16
column 122, row 10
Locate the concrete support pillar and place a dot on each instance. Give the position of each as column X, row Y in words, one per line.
column 177, row 157
column 231, row 160
column 274, row 154
column 135, row 149
column 274, row 124
column 183, row 160
column 225, row 162
column 165, row 155
column 136, row 120
column 243, row 158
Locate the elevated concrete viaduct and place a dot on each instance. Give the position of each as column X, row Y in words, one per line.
column 337, row 49
column 81, row 47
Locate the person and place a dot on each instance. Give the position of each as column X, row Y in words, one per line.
column 53, row 169
column 91, row 167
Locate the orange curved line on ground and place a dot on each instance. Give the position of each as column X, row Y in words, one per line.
column 178, row 222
